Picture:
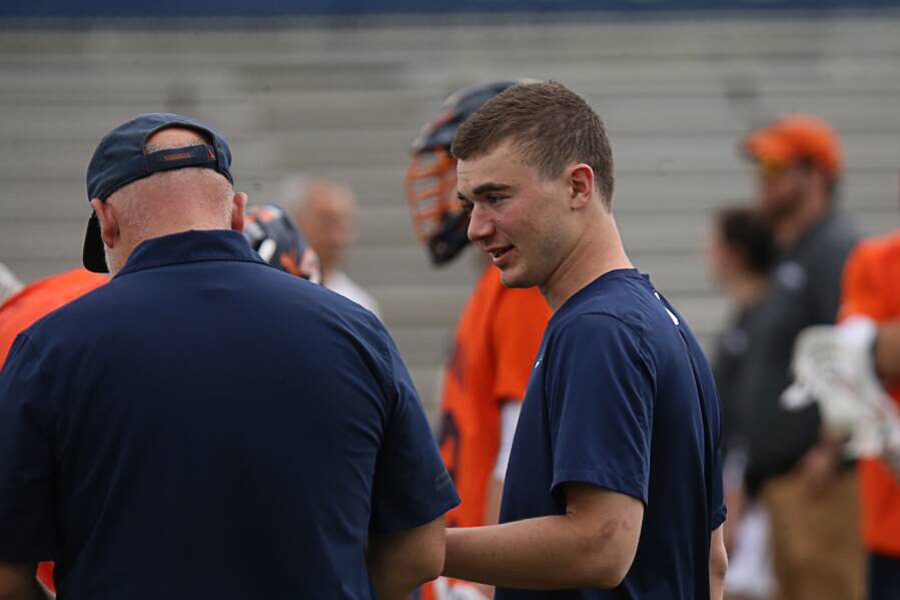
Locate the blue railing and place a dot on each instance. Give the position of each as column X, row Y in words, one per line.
column 355, row 8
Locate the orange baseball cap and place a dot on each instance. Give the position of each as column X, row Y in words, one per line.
column 797, row 137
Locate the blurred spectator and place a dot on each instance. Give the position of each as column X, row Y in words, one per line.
column 326, row 212
column 494, row 345
column 9, row 283
column 740, row 254
column 870, row 327
column 809, row 491
column 33, row 302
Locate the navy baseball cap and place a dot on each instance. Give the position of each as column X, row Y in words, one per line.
column 120, row 159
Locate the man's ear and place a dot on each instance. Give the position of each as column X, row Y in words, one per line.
column 237, row 211
column 109, row 225
column 581, row 186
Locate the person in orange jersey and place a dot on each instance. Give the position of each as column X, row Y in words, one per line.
column 857, row 362
column 872, row 290
column 41, row 298
column 31, row 303
column 494, row 346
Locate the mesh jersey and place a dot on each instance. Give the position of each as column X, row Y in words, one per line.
column 40, row 298
column 32, row 303
column 495, row 345
column 871, row 288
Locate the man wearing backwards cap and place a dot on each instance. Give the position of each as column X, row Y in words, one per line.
column 796, row 466
column 205, row 425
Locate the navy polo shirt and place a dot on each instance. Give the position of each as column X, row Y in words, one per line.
column 621, row 397
column 206, row 426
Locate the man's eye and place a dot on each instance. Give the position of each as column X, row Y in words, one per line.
column 466, row 207
column 492, row 199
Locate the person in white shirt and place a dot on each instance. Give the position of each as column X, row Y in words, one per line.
column 326, row 213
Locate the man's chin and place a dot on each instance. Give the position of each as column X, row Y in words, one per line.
column 511, row 279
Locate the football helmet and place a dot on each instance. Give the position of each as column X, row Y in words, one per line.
column 437, row 215
column 279, row 242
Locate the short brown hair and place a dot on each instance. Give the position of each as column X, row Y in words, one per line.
column 745, row 231
column 550, row 124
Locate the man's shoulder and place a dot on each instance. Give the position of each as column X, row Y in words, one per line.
column 878, row 251
column 835, row 238
column 628, row 301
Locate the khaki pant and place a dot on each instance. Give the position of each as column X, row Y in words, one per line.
column 816, row 549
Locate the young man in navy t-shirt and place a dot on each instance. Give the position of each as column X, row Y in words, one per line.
column 614, row 485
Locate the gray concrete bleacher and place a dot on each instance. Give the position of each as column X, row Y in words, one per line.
column 345, row 102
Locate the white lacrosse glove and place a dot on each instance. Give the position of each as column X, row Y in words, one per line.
column 833, row 366
column 456, row 590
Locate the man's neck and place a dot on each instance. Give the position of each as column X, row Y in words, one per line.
column 789, row 230
column 747, row 290
column 598, row 251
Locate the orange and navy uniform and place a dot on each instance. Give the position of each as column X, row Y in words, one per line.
column 496, row 342
column 31, row 303
column 871, row 288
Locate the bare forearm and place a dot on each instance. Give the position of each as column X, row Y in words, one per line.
column 541, row 553
column 716, row 585
column 26, row 590
column 492, row 501
column 18, row 582
column 393, row 583
column 718, row 565
column 399, row 562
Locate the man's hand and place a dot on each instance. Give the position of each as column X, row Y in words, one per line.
column 819, row 468
column 834, row 367
column 18, row 582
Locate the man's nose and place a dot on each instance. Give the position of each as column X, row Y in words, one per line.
column 480, row 225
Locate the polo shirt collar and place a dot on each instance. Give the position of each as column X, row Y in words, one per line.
column 190, row 246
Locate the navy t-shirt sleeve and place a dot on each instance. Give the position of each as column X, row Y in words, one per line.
column 600, row 394
column 27, row 514
column 412, row 486
column 718, row 485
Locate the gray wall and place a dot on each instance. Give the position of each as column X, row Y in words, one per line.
column 344, row 103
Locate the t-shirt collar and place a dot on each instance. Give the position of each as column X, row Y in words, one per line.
column 190, row 246
column 584, row 293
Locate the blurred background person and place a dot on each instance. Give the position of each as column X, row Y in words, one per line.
column 809, row 490
column 40, row 298
column 856, row 365
column 9, row 283
column 740, row 255
column 278, row 242
column 326, row 212
column 496, row 339
column 30, row 304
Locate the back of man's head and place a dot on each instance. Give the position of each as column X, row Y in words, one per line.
column 551, row 126
column 155, row 175
column 177, row 200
